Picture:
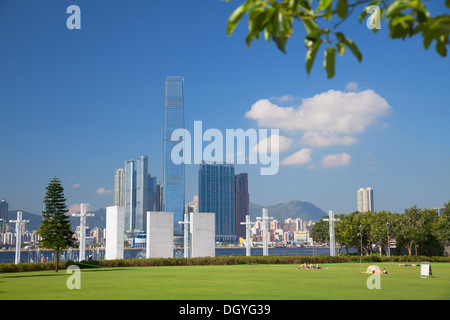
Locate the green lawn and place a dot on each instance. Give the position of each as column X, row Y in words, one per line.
column 241, row 282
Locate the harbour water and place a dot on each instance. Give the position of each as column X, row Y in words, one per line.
column 99, row 254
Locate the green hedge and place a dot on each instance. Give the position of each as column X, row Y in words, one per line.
column 220, row 260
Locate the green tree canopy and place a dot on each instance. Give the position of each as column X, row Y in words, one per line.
column 55, row 229
column 321, row 20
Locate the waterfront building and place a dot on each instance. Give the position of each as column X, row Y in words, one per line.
column 139, row 193
column 173, row 174
column 130, row 195
column 364, row 199
column 242, row 203
column 217, row 194
column 3, row 215
column 119, row 183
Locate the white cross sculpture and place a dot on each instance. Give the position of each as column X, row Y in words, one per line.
column 265, row 220
column 331, row 221
column 247, row 224
column 186, row 223
column 82, row 236
column 18, row 223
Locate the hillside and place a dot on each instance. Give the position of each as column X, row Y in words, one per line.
column 291, row 209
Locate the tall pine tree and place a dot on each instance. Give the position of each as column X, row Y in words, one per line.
column 55, row 229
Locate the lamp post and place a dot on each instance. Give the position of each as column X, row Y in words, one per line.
column 360, row 259
column 389, row 240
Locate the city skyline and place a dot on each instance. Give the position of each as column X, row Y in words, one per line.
column 77, row 103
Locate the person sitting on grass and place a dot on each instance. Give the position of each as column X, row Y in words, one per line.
column 310, row 266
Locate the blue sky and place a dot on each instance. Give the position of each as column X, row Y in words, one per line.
column 78, row 103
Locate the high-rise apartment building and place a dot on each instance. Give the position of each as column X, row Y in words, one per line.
column 137, row 188
column 173, row 174
column 129, row 195
column 242, row 203
column 364, row 199
column 119, row 183
column 217, row 192
column 142, row 194
column 3, row 215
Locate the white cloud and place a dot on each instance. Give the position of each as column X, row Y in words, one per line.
column 334, row 111
column 103, row 191
column 328, row 118
column 335, row 160
column 76, row 185
column 300, row 157
column 351, row 86
column 265, row 145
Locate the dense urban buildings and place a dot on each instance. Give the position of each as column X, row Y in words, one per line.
column 173, row 174
column 365, row 200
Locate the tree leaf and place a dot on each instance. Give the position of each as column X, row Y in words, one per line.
column 324, row 4
column 353, row 48
column 341, row 48
column 329, row 62
column 396, row 7
column 311, row 55
column 342, row 8
column 237, row 14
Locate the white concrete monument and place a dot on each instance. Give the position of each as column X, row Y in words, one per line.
column 160, row 229
column 203, row 234
column 82, row 237
column 186, row 223
column 331, row 221
column 115, row 224
column 18, row 223
column 265, row 220
column 248, row 226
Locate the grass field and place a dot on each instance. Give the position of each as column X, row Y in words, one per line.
column 239, row 282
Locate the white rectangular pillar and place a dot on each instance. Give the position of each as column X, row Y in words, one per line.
column 203, row 232
column 115, row 224
column 159, row 234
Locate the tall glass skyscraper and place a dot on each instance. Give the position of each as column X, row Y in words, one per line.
column 173, row 179
column 141, row 193
column 216, row 193
column 129, row 195
column 136, row 193
column 3, row 215
column 119, row 184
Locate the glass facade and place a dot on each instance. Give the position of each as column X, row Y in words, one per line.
column 217, row 192
column 173, row 180
column 141, row 193
column 242, row 203
column 129, row 195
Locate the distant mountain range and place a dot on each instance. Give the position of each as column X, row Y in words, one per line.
column 291, row 209
column 98, row 220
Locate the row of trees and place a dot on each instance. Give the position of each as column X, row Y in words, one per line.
column 414, row 229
